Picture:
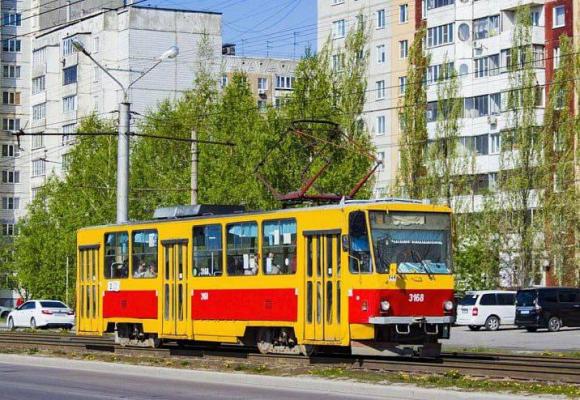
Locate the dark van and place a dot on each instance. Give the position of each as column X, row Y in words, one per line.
column 549, row 308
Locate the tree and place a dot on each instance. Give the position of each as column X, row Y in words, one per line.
column 520, row 157
column 86, row 196
column 561, row 128
column 414, row 136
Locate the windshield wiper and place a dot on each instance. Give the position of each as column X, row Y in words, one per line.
column 427, row 269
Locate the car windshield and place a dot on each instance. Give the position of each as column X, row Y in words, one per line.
column 418, row 243
column 468, row 300
column 525, row 298
column 52, row 304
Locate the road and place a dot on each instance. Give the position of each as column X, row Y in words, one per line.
column 510, row 338
column 40, row 378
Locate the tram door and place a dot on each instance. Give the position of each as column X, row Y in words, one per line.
column 175, row 269
column 88, row 298
column 323, row 286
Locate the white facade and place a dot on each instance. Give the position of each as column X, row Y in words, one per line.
column 390, row 25
column 67, row 85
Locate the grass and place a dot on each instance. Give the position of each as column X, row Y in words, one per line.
column 488, row 350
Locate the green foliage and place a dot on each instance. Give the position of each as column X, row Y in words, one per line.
column 86, row 196
column 413, row 138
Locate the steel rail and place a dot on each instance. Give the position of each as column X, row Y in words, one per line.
column 514, row 366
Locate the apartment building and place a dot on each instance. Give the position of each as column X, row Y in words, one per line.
column 270, row 79
column 67, row 85
column 391, row 28
column 14, row 110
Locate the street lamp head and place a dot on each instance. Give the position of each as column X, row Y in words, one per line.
column 171, row 53
column 77, row 44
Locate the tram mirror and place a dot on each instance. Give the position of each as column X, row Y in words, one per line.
column 345, row 242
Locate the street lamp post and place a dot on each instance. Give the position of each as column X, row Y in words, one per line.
column 124, row 125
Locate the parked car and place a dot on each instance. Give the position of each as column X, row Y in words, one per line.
column 41, row 313
column 486, row 308
column 4, row 311
column 550, row 308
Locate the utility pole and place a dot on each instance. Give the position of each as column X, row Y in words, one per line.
column 193, row 166
column 123, row 162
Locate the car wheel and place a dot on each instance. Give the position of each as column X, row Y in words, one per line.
column 11, row 324
column 554, row 324
column 531, row 329
column 474, row 327
column 4, row 314
column 32, row 323
column 492, row 323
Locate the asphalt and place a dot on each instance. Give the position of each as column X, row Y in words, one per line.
column 514, row 339
column 40, row 378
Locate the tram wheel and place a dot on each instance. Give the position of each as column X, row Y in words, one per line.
column 264, row 341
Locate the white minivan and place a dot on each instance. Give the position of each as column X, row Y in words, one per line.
column 489, row 308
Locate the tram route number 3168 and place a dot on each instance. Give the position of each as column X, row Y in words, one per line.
column 416, row 297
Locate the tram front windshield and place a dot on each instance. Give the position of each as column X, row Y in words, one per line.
column 418, row 243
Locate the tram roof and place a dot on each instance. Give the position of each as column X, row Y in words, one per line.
column 234, row 211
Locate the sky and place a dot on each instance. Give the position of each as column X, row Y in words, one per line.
column 275, row 28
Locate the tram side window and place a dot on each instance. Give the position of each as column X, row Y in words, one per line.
column 360, row 254
column 207, row 250
column 116, row 255
column 279, row 247
column 144, row 254
column 242, row 248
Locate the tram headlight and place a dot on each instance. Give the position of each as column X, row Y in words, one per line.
column 385, row 305
column 448, row 305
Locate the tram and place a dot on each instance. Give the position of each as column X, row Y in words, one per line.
column 369, row 277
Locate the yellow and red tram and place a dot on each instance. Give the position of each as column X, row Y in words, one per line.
column 374, row 276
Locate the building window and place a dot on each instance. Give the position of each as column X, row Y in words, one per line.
column 339, row 29
column 403, row 48
column 486, row 27
column 336, row 2
column 10, row 150
column 402, row 84
column 380, row 90
column 39, row 57
column 11, row 45
column 69, row 75
column 480, row 106
column 336, row 62
column 381, row 54
column 38, row 84
column 67, row 46
column 11, row 71
column 535, row 14
column 39, row 112
column 431, row 4
column 11, row 19
column 11, row 98
column 96, row 44
column 262, row 83
column 284, row 82
column 440, row 35
column 10, row 176
column 9, row 229
column 481, row 145
column 69, row 103
column 494, row 143
column 10, row 203
column 66, row 158
column 262, row 105
column 556, row 57
column 381, row 160
column 381, row 19
column 223, row 80
column 403, row 13
column 381, row 125
column 559, row 17
column 486, row 66
column 68, row 132
column 439, row 72
column 38, row 168
column 10, row 124
column 38, row 140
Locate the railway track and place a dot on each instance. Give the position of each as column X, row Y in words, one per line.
column 520, row 367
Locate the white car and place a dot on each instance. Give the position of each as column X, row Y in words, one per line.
column 41, row 313
column 488, row 308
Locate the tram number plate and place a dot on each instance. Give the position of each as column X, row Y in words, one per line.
column 416, row 297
